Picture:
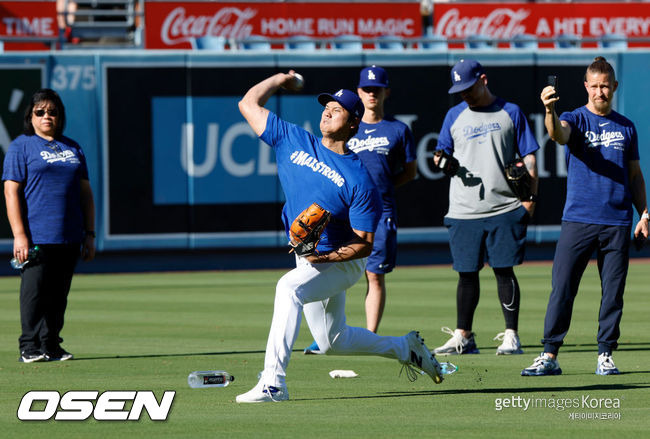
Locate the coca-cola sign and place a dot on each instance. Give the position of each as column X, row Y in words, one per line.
column 544, row 20
column 498, row 23
column 175, row 24
column 178, row 27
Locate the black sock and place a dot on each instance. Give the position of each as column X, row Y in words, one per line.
column 509, row 295
column 467, row 295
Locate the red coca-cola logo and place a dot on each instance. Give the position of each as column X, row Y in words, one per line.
column 499, row 23
column 229, row 22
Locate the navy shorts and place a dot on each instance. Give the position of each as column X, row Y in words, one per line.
column 499, row 239
column 384, row 250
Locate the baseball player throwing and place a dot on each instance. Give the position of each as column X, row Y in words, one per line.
column 322, row 171
column 387, row 149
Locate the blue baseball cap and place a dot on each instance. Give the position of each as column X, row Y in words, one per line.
column 373, row 76
column 348, row 100
column 465, row 74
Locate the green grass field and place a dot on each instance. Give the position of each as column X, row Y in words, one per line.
column 148, row 331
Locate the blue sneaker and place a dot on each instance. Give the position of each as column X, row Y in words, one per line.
column 606, row 365
column 312, row 349
column 543, row 365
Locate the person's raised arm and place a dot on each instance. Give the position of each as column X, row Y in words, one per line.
column 558, row 130
column 252, row 104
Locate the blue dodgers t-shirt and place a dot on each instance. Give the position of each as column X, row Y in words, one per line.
column 311, row 173
column 384, row 148
column 484, row 140
column 51, row 172
column 598, row 155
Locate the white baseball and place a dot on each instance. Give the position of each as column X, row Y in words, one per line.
column 298, row 81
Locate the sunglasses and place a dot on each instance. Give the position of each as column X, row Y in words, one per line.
column 40, row 113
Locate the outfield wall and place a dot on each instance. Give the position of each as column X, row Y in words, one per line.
column 173, row 164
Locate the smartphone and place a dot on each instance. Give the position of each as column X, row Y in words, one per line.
column 552, row 81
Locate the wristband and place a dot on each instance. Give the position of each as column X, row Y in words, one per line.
column 645, row 216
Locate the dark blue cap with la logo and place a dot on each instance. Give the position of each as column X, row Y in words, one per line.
column 465, row 74
column 348, row 100
column 373, row 76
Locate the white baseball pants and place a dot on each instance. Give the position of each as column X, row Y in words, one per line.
column 319, row 290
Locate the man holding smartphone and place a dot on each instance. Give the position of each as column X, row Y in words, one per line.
column 604, row 180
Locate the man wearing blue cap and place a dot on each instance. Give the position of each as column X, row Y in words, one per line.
column 323, row 171
column 486, row 220
column 387, row 149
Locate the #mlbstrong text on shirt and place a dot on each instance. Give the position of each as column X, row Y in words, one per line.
column 63, row 156
column 302, row 158
column 471, row 132
column 606, row 139
column 370, row 144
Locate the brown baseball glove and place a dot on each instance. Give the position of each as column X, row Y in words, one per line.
column 307, row 228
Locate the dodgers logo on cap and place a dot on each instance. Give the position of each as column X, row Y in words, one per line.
column 373, row 76
column 348, row 100
column 464, row 74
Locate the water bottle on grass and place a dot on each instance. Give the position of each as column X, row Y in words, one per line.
column 209, row 378
column 448, row 368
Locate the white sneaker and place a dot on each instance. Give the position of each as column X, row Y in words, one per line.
column 264, row 393
column 457, row 344
column 606, row 365
column 420, row 358
column 510, row 343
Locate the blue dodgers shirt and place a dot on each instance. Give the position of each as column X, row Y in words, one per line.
column 384, row 148
column 484, row 140
column 598, row 155
column 51, row 172
column 311, row 173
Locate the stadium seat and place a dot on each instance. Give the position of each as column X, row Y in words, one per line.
column 431, row 41
column 567, row 41
column 479, row 42
column 524, row 41
column 347, row 42
column 613, row 41
column 390, row 42
column 209, row 42
column 301, row 42
column 256, row 42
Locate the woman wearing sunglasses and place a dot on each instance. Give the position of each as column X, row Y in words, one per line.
column 50, row 206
